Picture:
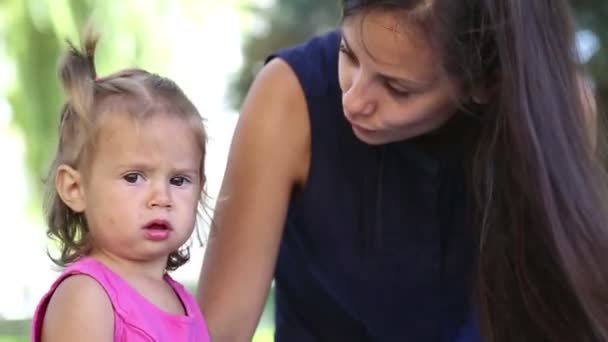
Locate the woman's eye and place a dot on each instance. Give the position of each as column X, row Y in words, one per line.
column 397, row 92
column 346, row 52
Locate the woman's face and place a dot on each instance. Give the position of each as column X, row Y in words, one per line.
column 391, row 81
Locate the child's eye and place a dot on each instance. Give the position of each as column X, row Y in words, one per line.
column 178, row 181
column 132, row 177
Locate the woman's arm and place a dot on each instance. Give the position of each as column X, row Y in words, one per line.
column 269, row 155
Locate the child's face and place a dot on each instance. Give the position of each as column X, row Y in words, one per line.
column 143, row 187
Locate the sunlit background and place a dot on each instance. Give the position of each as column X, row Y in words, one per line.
column 211, row 48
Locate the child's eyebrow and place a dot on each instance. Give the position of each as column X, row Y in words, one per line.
column 187, row 171
column 142, row 166
column 135, row 166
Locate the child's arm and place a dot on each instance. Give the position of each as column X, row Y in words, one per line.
column 79, row 310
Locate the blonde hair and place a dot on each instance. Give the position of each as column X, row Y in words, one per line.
column 134, row 92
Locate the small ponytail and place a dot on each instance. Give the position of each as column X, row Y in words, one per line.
column 77, row 74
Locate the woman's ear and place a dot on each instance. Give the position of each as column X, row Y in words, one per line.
column 588, row 99
column 69, row 186
column 480, row 96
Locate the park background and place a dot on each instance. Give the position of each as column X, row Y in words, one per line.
column 211, row 48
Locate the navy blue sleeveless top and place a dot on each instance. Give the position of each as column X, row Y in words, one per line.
column 379, row 244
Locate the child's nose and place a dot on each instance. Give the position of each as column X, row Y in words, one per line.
column 160, row 197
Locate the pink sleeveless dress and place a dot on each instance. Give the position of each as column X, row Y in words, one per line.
column 135, row 318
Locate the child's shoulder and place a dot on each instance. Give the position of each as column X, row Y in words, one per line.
column 79, row 292
column 78, row 306
column 85, row 275
column 80, row 282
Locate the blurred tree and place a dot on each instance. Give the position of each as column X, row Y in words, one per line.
column 32, row 32
column 591, row 16
column 35, row 32
column 284, row 23
column 289, row 22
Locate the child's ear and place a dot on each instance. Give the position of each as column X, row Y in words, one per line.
column 69, row 185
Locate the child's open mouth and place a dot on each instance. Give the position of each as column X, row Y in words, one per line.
column 157, row 230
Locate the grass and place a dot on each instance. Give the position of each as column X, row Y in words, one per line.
column 14, row 338
column 15, row 331
column 19, row 331
column 262, row 335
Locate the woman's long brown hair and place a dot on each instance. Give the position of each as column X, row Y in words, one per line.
column 538, row 175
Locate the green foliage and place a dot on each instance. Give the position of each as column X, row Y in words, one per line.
column 35, row 32
column 292, row 21
column 285, row 23
column 591, row 15
column 31, row 38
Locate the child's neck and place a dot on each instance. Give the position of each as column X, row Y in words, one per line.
column 146, row 278
column 152, row 270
